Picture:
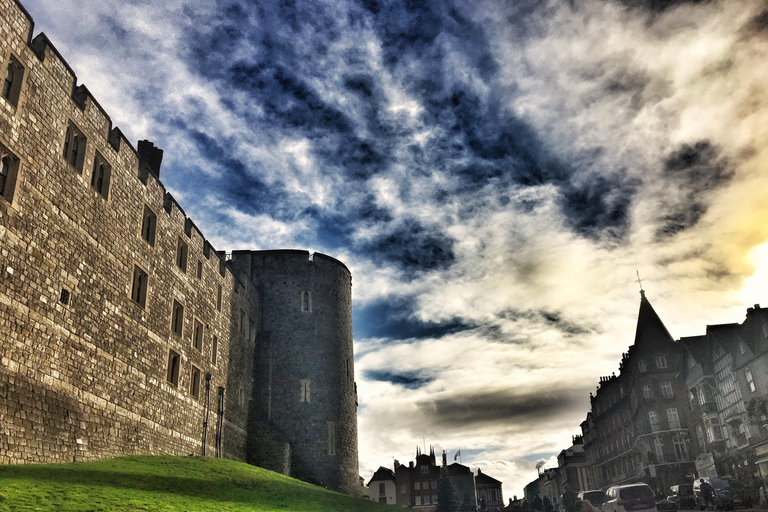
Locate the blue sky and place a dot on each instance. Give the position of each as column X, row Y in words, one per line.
column 493, row 173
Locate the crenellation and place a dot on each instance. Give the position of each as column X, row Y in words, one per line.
column 92, row 366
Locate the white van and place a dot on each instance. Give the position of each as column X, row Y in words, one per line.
column 629, row 498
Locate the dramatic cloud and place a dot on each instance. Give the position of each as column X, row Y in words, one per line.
column 494, row 174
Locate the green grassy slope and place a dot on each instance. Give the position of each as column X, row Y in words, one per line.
column 164, row 483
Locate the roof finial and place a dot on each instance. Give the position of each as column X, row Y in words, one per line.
column 640, row 282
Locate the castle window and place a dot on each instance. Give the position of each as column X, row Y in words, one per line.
column 199, row 269
column 661, row 362
column 331, row 438
column 177, row 318
column 181, row 255
column 139, row 287
column 304, row 390
column 218, row 299
column 243, row 321
column 64, row 297
column 240, row 396
column 214, row 349
column 9, row 168
column 148, row 225
column 12, row 83
column 102, row 173
column 74, row 147
column 306, row 301
column 194, row 382
column 251, row 330
column 197, row 339
column 174, row 362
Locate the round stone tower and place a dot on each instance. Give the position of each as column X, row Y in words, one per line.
column 304, row 384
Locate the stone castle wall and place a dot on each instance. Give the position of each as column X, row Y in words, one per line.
column 84, row 361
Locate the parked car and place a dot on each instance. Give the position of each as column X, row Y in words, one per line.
column 683, row 496
column 724, row 497
column 630, row 498
column 666, row 505
column 595, row 497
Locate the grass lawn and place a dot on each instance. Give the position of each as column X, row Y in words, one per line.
column 164, row 483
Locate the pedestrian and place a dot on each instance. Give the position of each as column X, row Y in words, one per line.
column 708, row 493
column 547, row 504
column 569, row 499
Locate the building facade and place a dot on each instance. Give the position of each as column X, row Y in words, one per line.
column 637, row 429
column 725, row 372
column 122, row 330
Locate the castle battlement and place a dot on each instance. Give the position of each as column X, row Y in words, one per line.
column 122, row 329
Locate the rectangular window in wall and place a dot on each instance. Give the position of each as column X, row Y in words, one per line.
column 306, row 302
column 74, row 147
column 148, row 225
column 674, row 419
column 139, row 287
column 750, row 380
column 331, row 438
column 681, row 450
column 14, row 73
column 102, row 173
column 199, row 269
column 194, row 382
column 218, row 298
column 659, row 447
column 661, row 362
column 197, row 336
column 654, row 421
column 9, row 168
column 214, row 349
column 181, row 255
column 641, row 366
column 243, row 322
column 647, row 392
column 666, row 390
column 304, row 395
column 174, row 363
column 177, row 318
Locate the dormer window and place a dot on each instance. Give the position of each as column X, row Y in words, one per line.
column 661, row 362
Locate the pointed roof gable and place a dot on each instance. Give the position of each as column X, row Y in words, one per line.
column 650, row 329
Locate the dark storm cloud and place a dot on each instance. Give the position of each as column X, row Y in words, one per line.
column 554, row 319
column 413, row 248
column 245, row 190
column 596, row 205
column 503, row 407
column 693, row 170
column 658, row 6
column 408, row 380
column 395, row 319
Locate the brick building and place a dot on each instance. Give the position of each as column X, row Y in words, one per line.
column 122, row 330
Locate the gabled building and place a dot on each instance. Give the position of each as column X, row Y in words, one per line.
column 463, row 482
column 638, row 426
column 489, row 493
column 382, row 486
column 726, row 373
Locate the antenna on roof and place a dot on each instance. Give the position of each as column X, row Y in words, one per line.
column 640, row 282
